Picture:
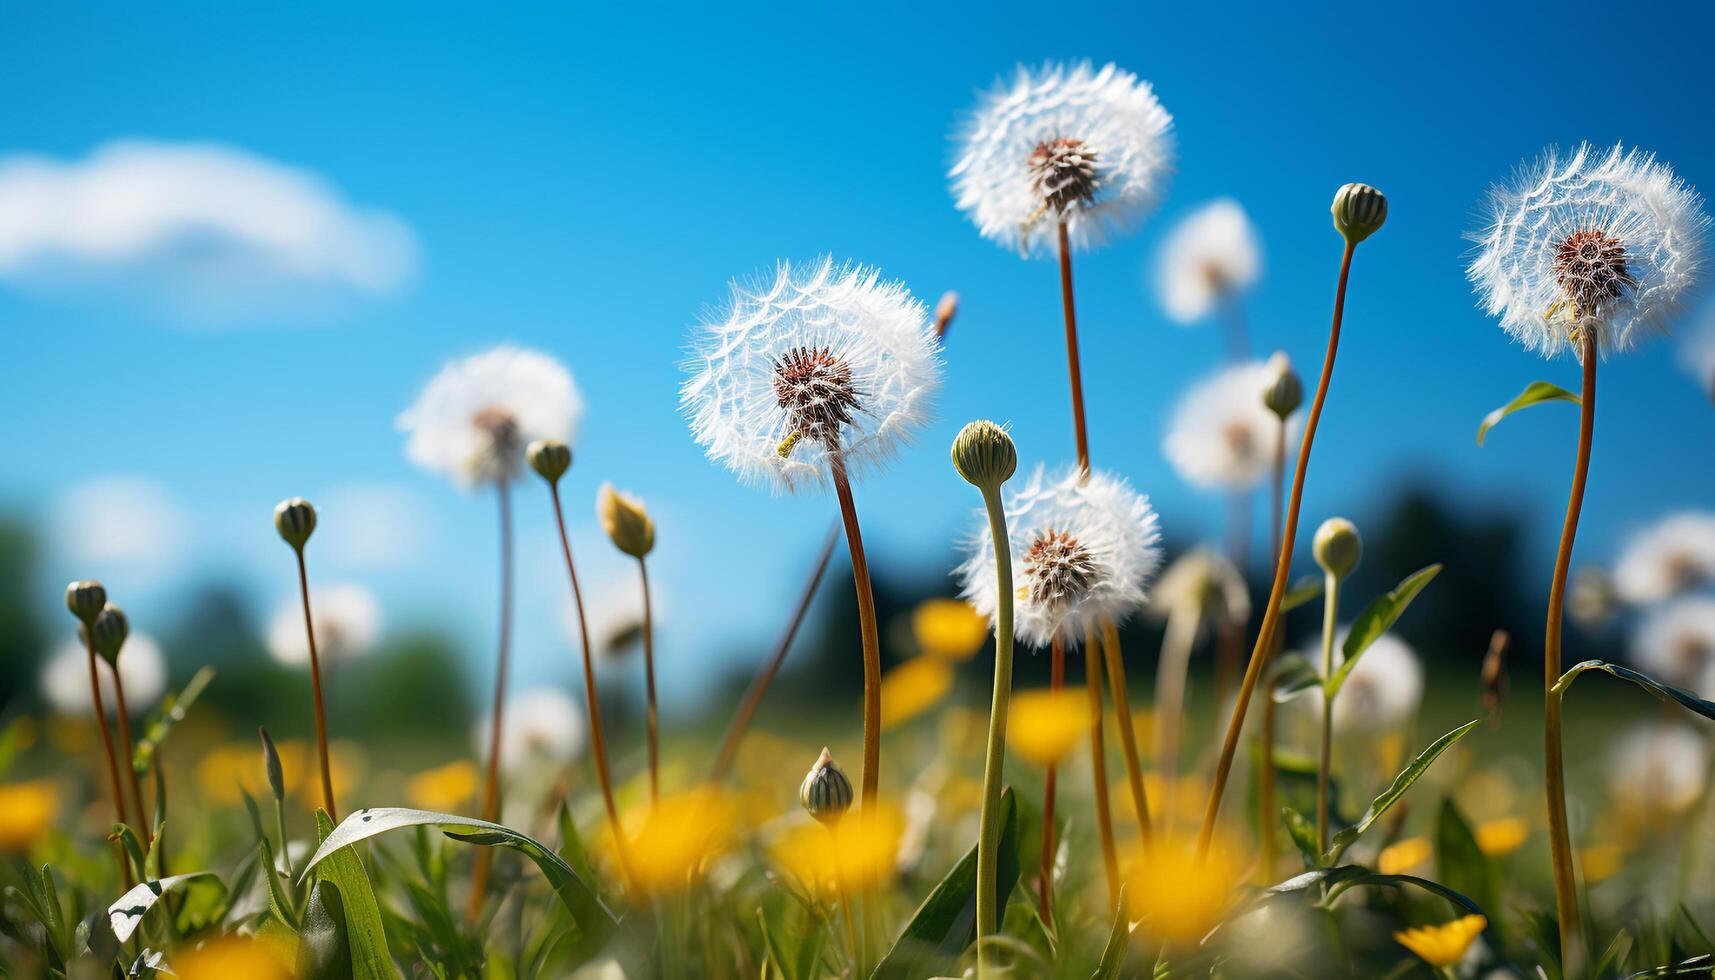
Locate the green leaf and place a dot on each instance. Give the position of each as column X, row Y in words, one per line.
column 324, row 952
column 946, row 922
column 586, row 908
column 170, row 713
column 1119, row 938
column 1345, row 876
column 1293, row 675
column 1301, row 591
column 1607, row 964
column 1377, row 618
column 367, row 938
column 1461, row 864
column 1303, row 834
column 1665, row 692
column 1534, row 393
column 1391, row 795
column 278, row 900
column 133, row 849
column 126, row 914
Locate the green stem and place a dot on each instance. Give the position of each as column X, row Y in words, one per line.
column 652, row 732
column 491, row 779
column 1099, row 763
column 285, row 852
column 1115, row 659
column 1330, row 613
column 988, row 824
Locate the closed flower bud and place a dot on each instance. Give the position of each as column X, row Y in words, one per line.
column 109, row 632
column 1337, row 547
column 86, row 598
column 271, row 763
column 826, row 793
column 1285, row 392
column 1359, row 210
column 550, row 458
column 295, row 519
column 984, row 455
column 625, row 520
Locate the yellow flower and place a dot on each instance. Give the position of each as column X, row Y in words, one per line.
column 1177, row 897
column 27, row 810
column 232, row 956
column 1503, row 836
column 677, row 838
column 912, row 688
column 445, row 788
column 1599, row 861
column 859, row 852
column 949, row 628
column 1400, row 858
column 226, row 768
column 1044, row 725
column 1445, row 944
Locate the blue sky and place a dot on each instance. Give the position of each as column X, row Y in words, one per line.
column 585, row 180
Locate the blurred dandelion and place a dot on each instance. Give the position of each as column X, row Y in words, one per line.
column 1443, row 946
column 543, row 726
column 347, row 624
column 1045, row 725
column 65, row 677
column 28, row 811
column 677, row 838
column 1674, row 554
column 1381, row 694
column 949, row 628
column 1675, row 644
column 231, row 956
column 1502, row 836
column 615, row 616
column 1205, row 264
column 1176, row 895
column 1405, row 856
column 1222, row 434
column 1656, row 770
column 861, row 855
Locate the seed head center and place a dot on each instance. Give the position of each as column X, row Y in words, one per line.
column 505, row 441
column 1063, row 172
column 1591, row 267
column 1059, row 569
column 814, row 386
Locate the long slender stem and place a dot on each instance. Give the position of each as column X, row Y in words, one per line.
column 491, row 781
column 1559, row 834
column 107, row 743
column 653, row 714
column 1099, row 763
column 1115, row 659
column 131, row 759
column 592, row 703
column 1045, row 901
column 866, row 627
column 1330, row 612
column 1265, row 771
column 316, row 687
column 1170, row 672
column 988, row 823
column 1073, row 373
column 1271, row 618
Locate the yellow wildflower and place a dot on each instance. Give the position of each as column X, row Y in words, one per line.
column 677, row 838
column 231, row 956
column 27, row 810
column 445, row 788
column 346, row 764
column 1044, row 725
column 1445, row 944
column 226, row 768
column 949, row 628
column 1177, row 897
column 1599, row 861
column 1503, row 836
column 858, row 852
column 912, row 688
column 1400, row 858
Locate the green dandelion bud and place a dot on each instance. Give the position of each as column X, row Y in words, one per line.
column 295, row 519
column 1359, row 210
column 625, row 520
column 984, row 455
column 550, row 459
column 86, row 598
column 826, row 792
column 1285, row 392
column 271, row 762
column 109, row 632
column 1337, row 547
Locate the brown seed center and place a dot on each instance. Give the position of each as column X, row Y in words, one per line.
column 1059, row 569
column 1240, row 440
column 1063, row 172
column 505, row 442
column 814, row 386
column 1591, row 268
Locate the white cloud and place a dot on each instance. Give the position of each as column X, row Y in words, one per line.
column 125, row 521
column 196, row 230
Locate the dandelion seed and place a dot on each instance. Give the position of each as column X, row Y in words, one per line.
column 1443, row 945
column 1206, row 261
column 1599, row 240
column 1670, row 556
column 1222, row 434
column 475, row 417
column 540, row 727
column 949, row 628
column 347, row 624
column 1088, row 146
column 65, row 677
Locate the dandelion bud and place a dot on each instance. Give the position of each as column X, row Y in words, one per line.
column 1337, row 547
column 109, row 632
column 295, row 519
column 826, row 793
column 86, row 598
column 984, row 455
column 1285, row 392
column 1359, row 210
column 550, row 458
column 625, row 520
column 271, row 762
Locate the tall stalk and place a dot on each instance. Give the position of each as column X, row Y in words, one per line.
column 1325, row 759
column 871, row 775
column 1099, row 763
column 491, row 779
column 107, row 744
column 1183, row 622
column 316, row 685
column 1115, row 660
column 130, row 758
column 1074, row 374
column 652, row 731
column 1045, row 900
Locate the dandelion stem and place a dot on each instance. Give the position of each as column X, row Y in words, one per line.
column 866, row 627
column 765, row 677
column 1099, row 763
column 107, row 743
column 988, row 823
column 1115, row 658
column 1183, row 622
column 491, row 781
column 653, row 714
column 598, row 740
column 316, row 688
column 1283, row 569
column 1072, row 371
column 1045, row 901
column 1330, row 612
column 1559, row 835
column 130, row 758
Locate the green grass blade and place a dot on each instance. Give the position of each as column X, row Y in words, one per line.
column 1391, row 795
column 367, row 937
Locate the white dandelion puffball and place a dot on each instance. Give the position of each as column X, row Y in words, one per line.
column 1658, row 766
column 815, row 360
column 1062, row 142
column 1675, row 644
column 1207, row 258
column 1670, row 556
column 1083, row 550
column 474, row 419
column 65, row 677
column 615, row 616
column 1382, row 692
column 347, row 618
column 543, row 726
column 1697, row 353
column 1606, row 240
column 1204, row 581
column 1222, row 436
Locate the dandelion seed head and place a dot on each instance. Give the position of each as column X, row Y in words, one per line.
column 1670, row 556
column 1089, row 146
column 1657, row 768
column 1222, row 433
column 474, row 419
column 1203, row 581
column 1208, row 257
column 1382, row 692
column 1675, row 644
column 65, row 677
column 816, row 360
column 347, row 621
column 544, row 726
column 1602, row 240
